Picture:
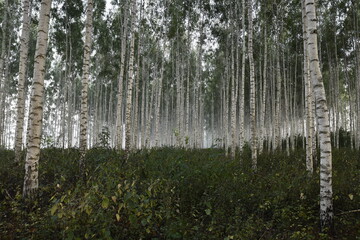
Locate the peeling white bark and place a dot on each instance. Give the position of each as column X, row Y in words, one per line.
column 31, row 179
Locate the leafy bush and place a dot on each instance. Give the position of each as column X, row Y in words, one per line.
column 173, row 193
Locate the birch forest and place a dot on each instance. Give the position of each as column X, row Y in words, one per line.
column 180, row 119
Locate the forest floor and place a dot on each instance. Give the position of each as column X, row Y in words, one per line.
column 172, row 193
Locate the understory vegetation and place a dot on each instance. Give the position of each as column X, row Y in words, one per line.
column 170, row 193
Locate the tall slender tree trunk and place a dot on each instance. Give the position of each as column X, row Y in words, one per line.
column 70, row 87
column 226, row 105
column 357, row 97
column 136, row 98
column 187, row 121
column 2, row 61
column 233, row 101
column 31, row 179
column 278, row 103
column 198, row 93
column 178, row 94
column 263, row 99
column 326, row 204
column 252, row 91
column 143, row 104
column 242, row 86
column 3, row 39
column 119, row 110
column 84, row 90
column 149, row 114
column 286, row 107
column 5, row 115
column 130, row 81
column 158, row 105
column 308, row 99
column 182, row 103
column 20, row 105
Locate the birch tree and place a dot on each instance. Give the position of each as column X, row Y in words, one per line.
column 20, row 105
column 31, row 179
column 322, row 112
column 85, row 82
column 263, row 99
column 242, row 87
column 308, row 98
column 252, row 90
column 233, row 101
column 157, row 109
column 2, row 70
column 130, row 80
column 119, row 131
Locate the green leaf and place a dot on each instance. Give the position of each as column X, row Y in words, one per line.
column 208, row 211
column 351, row 196
column 105, row 203
column 53, row 209
column 132, row 219
column 88, row 210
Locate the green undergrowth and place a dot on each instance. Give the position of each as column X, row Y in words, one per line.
column 170, row 193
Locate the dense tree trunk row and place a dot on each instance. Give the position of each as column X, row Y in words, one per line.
column 211, row 74
column 277, row 102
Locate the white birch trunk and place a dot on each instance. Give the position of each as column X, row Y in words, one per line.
column 252, row 91
column 263, row 104
column 2, row 73
column 277, row 103
column 233, row 102
column 149, row 115
column 242, row 87
column 20, row 105
column 4, row 115
column 136, row 98
column 130, row 81
column 326, row 205
column 308, row 99
column 119, row 110
column 158, row 106
column 31, row 179
column 84, row 83
column 143, row 103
